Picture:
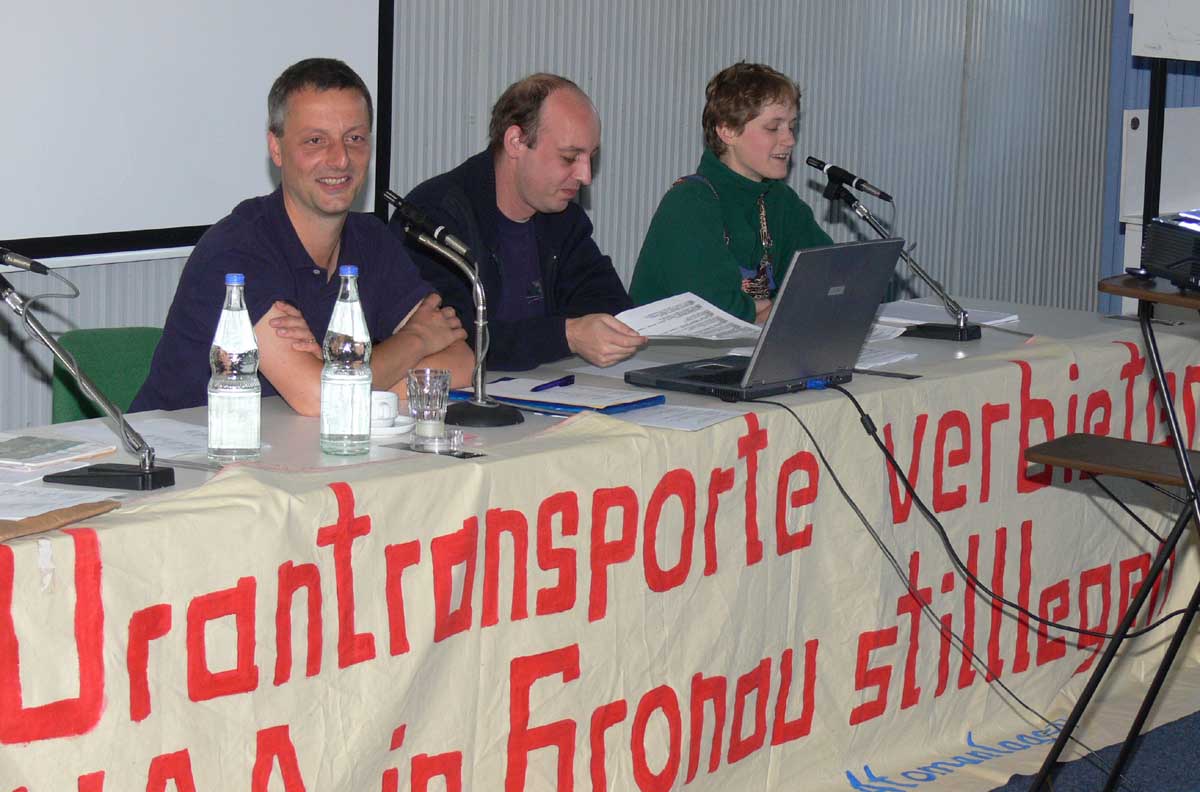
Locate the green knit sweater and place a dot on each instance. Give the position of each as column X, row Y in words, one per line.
column 685, row 249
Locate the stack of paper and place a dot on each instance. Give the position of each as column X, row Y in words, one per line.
column 884, row 332
column 30, row 500
column 874, row 357
column 28, row 452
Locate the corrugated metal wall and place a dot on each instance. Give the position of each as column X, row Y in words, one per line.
column 985, row 119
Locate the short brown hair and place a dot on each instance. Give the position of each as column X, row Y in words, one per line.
column 320, row 74
column 521, row 104
column 737, row 94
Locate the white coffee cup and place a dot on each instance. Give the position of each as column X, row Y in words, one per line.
column 384, row 407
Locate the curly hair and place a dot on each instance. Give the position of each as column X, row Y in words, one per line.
column 737, row 94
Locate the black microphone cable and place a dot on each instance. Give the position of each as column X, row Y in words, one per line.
column 31, row 302
column 977, row 662
column 956, row 560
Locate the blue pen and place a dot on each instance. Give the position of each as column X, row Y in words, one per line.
column 558, row 383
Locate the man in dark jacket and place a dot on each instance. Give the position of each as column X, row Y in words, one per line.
column 551, row 292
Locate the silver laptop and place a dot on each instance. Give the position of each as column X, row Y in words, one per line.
column 813, row 335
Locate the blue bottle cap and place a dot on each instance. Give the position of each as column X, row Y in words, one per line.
column 235, row 279
column 348, row 269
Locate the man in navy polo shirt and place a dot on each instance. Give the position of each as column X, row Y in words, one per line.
column 551, row 292
column 289, row 245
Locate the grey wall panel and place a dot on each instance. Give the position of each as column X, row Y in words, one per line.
column 985, row 119
column 1035, row 125
column 111, row 295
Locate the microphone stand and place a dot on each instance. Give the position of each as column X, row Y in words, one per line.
column 479, row 410
column 143, row 476
column 960, row 329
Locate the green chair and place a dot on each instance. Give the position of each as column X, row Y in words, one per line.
column 116, row 359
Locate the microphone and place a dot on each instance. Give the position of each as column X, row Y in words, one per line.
column 843, row 176
column 479, row 410
column 415, row 222
column 21, row 262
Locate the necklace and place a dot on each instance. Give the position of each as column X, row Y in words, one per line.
column 759, row 287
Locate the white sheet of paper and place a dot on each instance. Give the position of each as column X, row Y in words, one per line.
column 27, row 500
column 883, row 332
column 169, row 437
column 673, row 416
column 909, row 312
column 687, row 316
column 28, row 451
column 11, row 478
column 873, row 357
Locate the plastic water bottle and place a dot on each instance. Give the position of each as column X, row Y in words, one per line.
column 234, row 392
column 346, row 378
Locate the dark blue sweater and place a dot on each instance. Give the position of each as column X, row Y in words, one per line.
column 577, row 279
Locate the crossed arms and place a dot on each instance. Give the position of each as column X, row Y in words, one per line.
column 430, row 336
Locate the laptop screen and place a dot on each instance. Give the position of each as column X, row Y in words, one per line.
column 823, row 311
column 818, row 323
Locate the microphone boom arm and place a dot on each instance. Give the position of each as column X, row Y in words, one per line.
column 147, row 475
column 481, row 339
column 479, row 410
column 959, row 314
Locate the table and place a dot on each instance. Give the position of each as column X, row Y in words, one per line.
column 598, row 603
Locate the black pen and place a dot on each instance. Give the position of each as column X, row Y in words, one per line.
column 558, row 383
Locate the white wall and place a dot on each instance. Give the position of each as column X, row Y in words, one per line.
column 129, row 115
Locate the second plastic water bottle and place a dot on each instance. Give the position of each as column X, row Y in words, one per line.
column 346, row 378
column 234, row 392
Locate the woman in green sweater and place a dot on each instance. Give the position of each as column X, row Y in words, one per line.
column 727, row 233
